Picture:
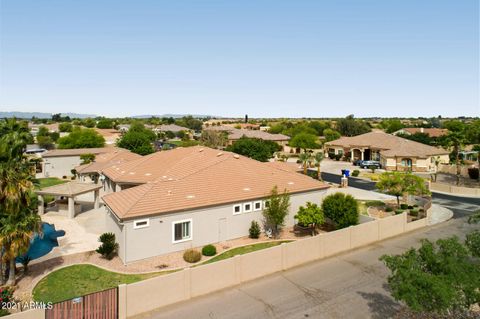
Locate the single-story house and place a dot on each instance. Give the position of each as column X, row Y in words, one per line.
column 109, row 134
column 94, row 169
column 60, row 162
column 432, row 132
column 236, row 134
column 394, row 153
column 189, row 197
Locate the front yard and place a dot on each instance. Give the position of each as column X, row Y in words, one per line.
column 77, row 280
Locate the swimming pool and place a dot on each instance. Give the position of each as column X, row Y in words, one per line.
column 42, row 245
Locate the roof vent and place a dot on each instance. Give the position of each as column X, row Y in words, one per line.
column 290, row 183
column 170, row 179
column 132, row 173
column 147, row 174
column 190, row 196
column 219, row 154
column 169, row 193
column 200, row 150
column 246, row 189
column 236, row 156
column 164, row 176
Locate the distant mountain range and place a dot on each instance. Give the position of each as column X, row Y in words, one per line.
column 40, row 115
column 175, row 116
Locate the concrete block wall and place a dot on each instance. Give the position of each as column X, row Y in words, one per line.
column 183, row 285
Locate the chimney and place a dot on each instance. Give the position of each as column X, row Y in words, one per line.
column 421, row 130
column 246, row 118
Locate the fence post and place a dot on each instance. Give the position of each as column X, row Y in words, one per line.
column 122, row 301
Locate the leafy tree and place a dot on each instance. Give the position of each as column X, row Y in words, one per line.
column 304, row 141
column 331, row 135
column 65, row 127
column 349, row 126
column 397, row 184
column 276, row 210
column 319, row 126
column 214, row 139
column 43, row 131
column 255, row 148
column 191, row 123
column 105, row 123
column 137, row 142
column 54, row 136
column 87, row 158
column 88, row 122
column 341, row 209
column 311, row 216
column 392, row 125
column 45, row 142
column 81, row 138
column 440, row 278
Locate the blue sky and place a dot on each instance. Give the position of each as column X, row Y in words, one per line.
column 265, row 58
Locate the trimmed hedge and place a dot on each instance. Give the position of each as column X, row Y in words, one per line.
column 209, row 250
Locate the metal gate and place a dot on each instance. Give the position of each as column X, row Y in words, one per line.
column 99, row 305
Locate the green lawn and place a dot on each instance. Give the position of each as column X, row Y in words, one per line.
column 245, row 250
column 79, row 280
column 50, row 181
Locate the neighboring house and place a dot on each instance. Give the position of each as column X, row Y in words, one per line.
column 171, row 128
column 35, row 127
column 110, row 135
column 394, row 153
column 60, row 162
column 432, row 132
column 236, row 134
column 189, row 197
column 123, row 128
column 104, row 160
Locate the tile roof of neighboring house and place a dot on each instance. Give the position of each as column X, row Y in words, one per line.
column 235, row 134
column 286, row 166
column 432, row 132
column 390, row 145
column 195, row 177
column 79, row 151
column 69, row 189
column 171, row 128
column 105, row 160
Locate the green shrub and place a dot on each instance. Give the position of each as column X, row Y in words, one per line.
column 341, row 209
column 414, row 212
column 374, row 203
column 192, row 256
column 403, row 206
column 398, row 211
column 209, row 250
column 355, row 173
column 254, row 231
column 109, row 248
column 410, row 207
column 389, row 209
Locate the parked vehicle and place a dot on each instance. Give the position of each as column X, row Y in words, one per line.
column 367, row 164
column 357, row 162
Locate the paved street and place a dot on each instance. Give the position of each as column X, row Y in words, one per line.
column 351, row 285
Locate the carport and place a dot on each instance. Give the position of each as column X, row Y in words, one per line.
column 69, row 190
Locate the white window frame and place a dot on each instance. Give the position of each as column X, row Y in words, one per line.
column 240, row 211
column 135, row 222
column 265, row 204
column 245, row 210
column 255, row 204
column 181, row 222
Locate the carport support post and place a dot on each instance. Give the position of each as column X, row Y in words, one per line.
column 363, row 154
column 41, row 208
column 71, row 207
column 96, row 199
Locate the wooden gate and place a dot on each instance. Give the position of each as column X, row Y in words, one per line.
column 99, row 305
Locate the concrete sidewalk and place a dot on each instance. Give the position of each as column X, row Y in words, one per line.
column 439, row 214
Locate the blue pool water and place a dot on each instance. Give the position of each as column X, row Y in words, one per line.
column 42, row 245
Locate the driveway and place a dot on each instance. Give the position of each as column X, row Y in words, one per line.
column 351, row 285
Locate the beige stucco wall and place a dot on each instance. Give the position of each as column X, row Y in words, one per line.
column 60, row 166
column 164, row 290
column 114, row 226
column 209, row 225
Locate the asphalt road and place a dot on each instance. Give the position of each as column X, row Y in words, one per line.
column 461, row 206
column 350, row 285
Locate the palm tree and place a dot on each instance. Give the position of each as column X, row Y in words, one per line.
column 16, row 232
column 305, row 158
column 14, row 136
column 455, row 140
column 318, row 160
